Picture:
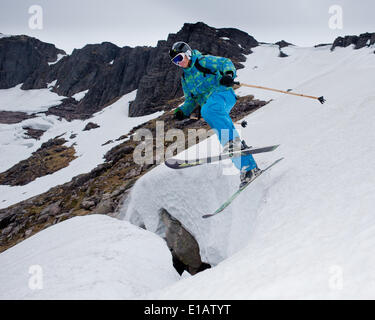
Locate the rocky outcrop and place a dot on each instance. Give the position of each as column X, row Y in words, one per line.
column 282, row 54
column 182, row 244
column 24, row 59
column 102, row 189
column 283, row 44
column 322, row 45
column 10, row 117
column 90, row 126
column 108, row 72
column 162, row 81
column 32, row 133
column 361, row 41
column 49, row 158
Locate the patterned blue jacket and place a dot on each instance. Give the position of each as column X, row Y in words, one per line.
column 197, row 85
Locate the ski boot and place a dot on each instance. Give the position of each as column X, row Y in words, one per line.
column 235, row 145
column 248, row 176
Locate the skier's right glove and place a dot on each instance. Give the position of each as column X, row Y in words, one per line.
column 227, row 80
column 179, row 115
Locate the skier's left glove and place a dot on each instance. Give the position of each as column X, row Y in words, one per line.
column 227, row 80
column 179, row 114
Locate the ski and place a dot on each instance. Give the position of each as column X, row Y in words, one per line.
column 234, row 195
column 182, row 164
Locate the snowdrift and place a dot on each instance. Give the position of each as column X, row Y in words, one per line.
column 91, row 257
column 305, row 229
column 90, row 145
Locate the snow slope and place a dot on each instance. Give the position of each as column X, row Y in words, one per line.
column 306, row 229
column 113, row 121
column 29, row 101
column 91, row 257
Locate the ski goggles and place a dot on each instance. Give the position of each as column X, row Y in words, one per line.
column 178, row 58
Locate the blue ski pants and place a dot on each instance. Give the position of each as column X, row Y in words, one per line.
column 216, row 113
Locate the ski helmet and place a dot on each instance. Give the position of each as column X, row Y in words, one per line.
column 180, row 47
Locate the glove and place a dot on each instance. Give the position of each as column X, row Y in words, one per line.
column 227, row 80
column 179, row 115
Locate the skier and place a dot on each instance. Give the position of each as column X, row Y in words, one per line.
column 207, row 82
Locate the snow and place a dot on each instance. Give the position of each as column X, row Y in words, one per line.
column 113, row 121
column 59, row 57
column 91, row 257
column 80, row 95
column 50, row 85
column 304, row 230
column 29, row 101
column 225, row 38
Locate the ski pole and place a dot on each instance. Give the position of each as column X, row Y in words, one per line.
column 321, row 99
column 243, row 123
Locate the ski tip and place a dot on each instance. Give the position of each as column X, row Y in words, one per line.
column 170, row 162
column 207, row 216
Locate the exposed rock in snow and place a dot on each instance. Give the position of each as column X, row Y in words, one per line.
column 182, row 244
column 90, row 126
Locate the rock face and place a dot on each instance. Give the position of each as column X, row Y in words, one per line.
column 162, row 81
column 108, row 72
column 10, row 117
column 23, row 59
column 183, row 246
column 363, row 40
column 49, row 158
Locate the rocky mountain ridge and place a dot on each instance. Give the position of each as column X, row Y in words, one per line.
column 108, row 72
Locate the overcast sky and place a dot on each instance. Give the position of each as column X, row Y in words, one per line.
column 73, row 23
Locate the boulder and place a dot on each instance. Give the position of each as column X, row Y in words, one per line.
column 90, row 126
column 184, row 247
